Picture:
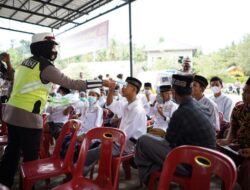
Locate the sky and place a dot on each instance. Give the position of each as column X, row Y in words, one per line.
column 207, row 24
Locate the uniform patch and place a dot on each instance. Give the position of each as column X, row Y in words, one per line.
column 30, row 63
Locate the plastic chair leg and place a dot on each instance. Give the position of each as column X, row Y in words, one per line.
column 27, row 185
column 126, row 167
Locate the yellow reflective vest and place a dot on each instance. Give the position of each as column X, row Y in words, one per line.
column 29, row 93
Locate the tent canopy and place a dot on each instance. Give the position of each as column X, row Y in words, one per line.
column 53, row 13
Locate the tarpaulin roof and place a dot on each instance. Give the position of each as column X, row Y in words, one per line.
column 52, row 13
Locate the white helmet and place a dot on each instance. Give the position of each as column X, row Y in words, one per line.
column 45, row 36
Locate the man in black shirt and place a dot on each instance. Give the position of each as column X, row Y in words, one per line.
column 189, row 125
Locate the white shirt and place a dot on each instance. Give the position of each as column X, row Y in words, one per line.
column 59, row 104
column 225, row 105
column 133, row 120
column 146, row 103
column 168, row 108
column 213, row 109
column 80, row 107
column 56, row 114
column 92, row 117
column 102, row 101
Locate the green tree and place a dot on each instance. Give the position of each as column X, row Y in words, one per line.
column 112, row 50
column 140, row 54
column 16, row 57
column 164, row 63
column 101, row 55
column 243, row 54
column 24, row 47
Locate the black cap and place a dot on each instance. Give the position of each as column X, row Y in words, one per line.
column 182, row 83
column 65, row 90
column 135, row 82
column 100, row 77
column 248, row 81
column 201, row 80
column 187, row 60
column 147, row 84
column 119, row 76
column 165, row 88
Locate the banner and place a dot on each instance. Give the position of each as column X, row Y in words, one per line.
column 89, row 40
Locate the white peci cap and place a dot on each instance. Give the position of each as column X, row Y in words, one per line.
column 96, row 90
column 186, row 59
column 45, row 36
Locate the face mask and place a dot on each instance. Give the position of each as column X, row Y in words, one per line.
column 83, row 99
column 53, row 54
column 92, row 99
column 159, row 99
column 215, row 89
column 147, row 92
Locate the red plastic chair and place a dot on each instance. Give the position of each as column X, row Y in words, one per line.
column 3, row 140
column 3, row 134
column 107, row 177
column 33, row 171
column 3, row 129
column 46, row 139
column 125, row 159
column 205, row 164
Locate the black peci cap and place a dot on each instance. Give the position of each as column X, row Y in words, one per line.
column 135, row 82
column 147, row 84
column 120, row 76
column 165, row 88
column 201, row 80
column 182, row 83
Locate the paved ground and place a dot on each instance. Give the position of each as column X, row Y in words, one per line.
column 132, row 184
column 123, row 185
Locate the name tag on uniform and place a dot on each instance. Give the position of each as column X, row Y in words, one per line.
column 30, row 63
